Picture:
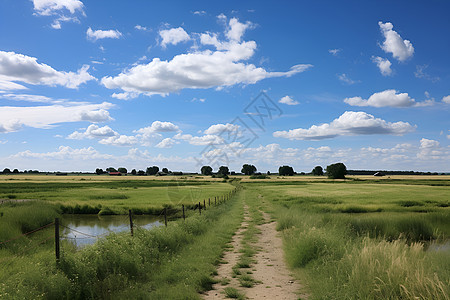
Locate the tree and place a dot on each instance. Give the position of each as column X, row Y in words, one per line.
column 223, row 170
column 141, row 173
column 206, row 170
column 99, row 171
column 165, row 170
column 336, row 171
column 111, row 169
column 285, row 171
column 123, row 170
column 152, row 170
column 317, row 171
column 6, row 171
column 248, row 169
column 133, row 172
column 15, row 171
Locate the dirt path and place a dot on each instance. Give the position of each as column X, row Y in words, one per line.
column 231, row 257
column 269, row 270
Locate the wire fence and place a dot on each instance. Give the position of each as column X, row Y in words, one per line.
column 34, row 243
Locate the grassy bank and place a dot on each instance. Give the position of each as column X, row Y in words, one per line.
column 365, row 241
column 174, row 262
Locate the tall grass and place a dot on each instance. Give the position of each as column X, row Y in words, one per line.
column 175, row 262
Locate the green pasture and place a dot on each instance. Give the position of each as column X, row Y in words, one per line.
column 114, row 196
column 369, row 239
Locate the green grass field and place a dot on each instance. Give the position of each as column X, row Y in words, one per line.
column 362, row 238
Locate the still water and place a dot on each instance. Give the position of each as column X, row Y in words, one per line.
column 87, row 229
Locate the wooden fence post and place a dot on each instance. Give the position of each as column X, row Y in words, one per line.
column 204, row 204
column 184, row 216
column 209, row 201
column 131, row 221
column 165, row 216
column 57, row 253
column 199, row 208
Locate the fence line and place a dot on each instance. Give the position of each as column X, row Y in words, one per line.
column 27, row 233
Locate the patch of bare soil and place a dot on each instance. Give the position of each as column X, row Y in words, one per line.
column 270, row 268
column 231, row 257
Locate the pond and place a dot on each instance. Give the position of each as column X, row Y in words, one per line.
column 83, row 230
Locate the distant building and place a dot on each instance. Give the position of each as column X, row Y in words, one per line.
column 115, row 174
column 378, row 174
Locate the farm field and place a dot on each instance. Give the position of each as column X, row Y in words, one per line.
column 362, row 238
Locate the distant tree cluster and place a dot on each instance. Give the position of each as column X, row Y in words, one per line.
column 248, row 169
column 317, row 171
column 285, row 171
column 336, row 171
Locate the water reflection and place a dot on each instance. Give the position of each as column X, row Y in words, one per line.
column 86, row 229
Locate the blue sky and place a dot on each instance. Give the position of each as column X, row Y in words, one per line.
column 93, row 84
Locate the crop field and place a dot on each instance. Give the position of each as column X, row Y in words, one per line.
column 362, row 238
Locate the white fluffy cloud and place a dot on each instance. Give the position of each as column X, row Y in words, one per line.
column 18, row 67
column 385, row 98
column 95, row 35
column 221, row 128
column 288, row 100
column 349, row 123
column 446, row 99
column 393, row 43
column 222, row 67
column 173, row 36
column 10, row 86
column 383, row 64
column 158, row 126
column 119, row 140
column 93, row 132
column 12, row 118
column 51, row 7
column 166, row 143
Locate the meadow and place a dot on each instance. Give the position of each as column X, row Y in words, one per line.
column 359, row 239
column 362, row 238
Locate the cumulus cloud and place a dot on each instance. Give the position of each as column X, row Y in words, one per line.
column 432, row 150
column 51, row 7
column 166, row 143
column 222, row 67
column 119, row 140
column 391, row 98
column 60, row 9
column 221, row 128
column 349, row 123
column 158, row 126
column 12, row 118
column 383, row 64
column 95, row 35
column 446, row 99
column 393, row 43
column 173, row 36
column 93, row 132
column 18, row 67
column 288, row 100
